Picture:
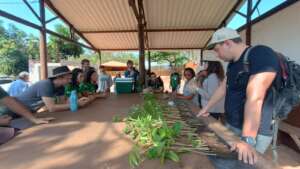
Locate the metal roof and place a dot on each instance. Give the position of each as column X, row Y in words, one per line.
column 171, row 24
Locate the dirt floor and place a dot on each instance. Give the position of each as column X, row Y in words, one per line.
column 88, row 139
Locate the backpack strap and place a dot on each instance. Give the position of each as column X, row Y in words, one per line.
column 246, row 62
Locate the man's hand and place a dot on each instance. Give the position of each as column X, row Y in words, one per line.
column 83, row 101
column 44, row 120
column 245, row 152
column 203, row 112
column 5, row 120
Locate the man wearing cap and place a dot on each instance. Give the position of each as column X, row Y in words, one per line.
column 248, row 107
column 20, row 85
column 46, row 91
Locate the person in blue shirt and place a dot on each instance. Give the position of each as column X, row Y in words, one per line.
column 20, row 85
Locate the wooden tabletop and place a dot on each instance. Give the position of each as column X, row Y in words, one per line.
column 86, row 139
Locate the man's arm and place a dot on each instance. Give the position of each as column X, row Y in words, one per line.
column 216, row 97
column 52, row 107
column 256, row 90
column 20, row 109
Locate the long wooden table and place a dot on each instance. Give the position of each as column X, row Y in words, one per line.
column 86, row 139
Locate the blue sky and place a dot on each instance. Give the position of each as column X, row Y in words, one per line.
column 18, row 8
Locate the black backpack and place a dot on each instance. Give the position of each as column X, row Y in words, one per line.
column 286, row 87
column 286, row 92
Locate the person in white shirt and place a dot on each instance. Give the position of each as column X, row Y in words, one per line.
column 104, row 81
column 215, row 75
column 190, row 87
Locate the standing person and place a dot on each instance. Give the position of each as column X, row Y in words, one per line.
column 175, row 80
column 131, row 72
column 248, row 94
column 20, row 85
column 50, row 92
column 214, row 77
column 85, row 65
column 76, row 80
column 104, row 81
column 189, row 88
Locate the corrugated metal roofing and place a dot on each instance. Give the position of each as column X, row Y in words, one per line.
column 111, row 15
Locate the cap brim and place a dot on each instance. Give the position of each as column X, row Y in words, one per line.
column 61, row 74
column 210, row 46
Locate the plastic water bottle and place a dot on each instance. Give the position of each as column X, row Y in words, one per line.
column 73, row 101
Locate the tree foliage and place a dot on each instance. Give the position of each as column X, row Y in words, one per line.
column 172, row 58
column 60, row 49
column 13, row 51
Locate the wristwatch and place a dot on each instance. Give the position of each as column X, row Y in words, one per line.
column 249, row 140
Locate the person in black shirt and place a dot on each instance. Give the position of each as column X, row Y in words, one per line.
column 155, row 83
column 247, row 93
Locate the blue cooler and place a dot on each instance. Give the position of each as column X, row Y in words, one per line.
column 124, row 85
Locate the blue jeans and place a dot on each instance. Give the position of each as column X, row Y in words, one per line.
column 262, row 144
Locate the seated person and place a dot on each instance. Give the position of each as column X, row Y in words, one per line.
column 19, row 85
column 50, row 92
column 89, row 86
column 155, row 83
column 189, row 88
column 105, row 81
column 76, row 80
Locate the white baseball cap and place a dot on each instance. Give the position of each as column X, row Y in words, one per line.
column 221, row 35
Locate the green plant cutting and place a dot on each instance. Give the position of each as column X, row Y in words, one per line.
column 159, row 134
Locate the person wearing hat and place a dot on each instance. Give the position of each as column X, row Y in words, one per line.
column 247, row 93
column 20, row 85
column 45, row 92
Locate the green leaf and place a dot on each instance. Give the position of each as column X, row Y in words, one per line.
column 172, row 156
column 152, row 152
column 177, row 128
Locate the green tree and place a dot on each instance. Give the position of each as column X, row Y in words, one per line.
column 13, row 56
column 58, row 48
column 12, row 60
column 172, row 58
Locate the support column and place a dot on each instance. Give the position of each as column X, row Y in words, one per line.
column 149, row 60
column 201, row 57
column 43, row 42
column 141, row 52
column 248, row 23
column 99, row 57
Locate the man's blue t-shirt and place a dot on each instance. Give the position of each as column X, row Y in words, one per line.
column 261, row 59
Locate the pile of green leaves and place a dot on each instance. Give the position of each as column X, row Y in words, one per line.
column 155, row 135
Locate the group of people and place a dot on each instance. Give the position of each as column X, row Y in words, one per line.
column 19, row 107
column 240, row 95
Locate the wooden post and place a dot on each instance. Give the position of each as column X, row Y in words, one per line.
column 201, row 57
column 248, row 23
column 149, row 60
column 43, row 42
column 99, row 57
column 141, row 32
